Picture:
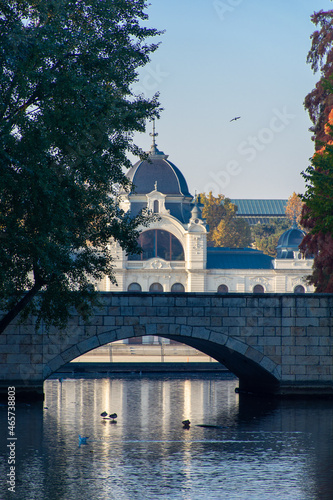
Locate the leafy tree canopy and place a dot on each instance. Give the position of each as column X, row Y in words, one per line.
column 294, row 208
column 225, row 230
column 317, row 214
column 266, row 236
column 67, row 119
column 319, row 101
column 317, row 218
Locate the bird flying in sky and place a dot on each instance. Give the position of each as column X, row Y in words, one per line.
column 236, row 118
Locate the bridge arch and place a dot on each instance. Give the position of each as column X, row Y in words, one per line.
column 257, row 372
column 254, row 369
column 274, row 343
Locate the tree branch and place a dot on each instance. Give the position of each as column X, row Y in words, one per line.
column 15, row 311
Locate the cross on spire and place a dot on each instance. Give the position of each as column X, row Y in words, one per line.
column 154, row 152
column 154, row 134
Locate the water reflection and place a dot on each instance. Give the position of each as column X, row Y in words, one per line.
column 255, row 449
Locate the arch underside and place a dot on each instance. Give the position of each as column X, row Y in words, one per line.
column 252, row 376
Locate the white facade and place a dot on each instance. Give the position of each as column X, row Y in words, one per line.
column 162, row 189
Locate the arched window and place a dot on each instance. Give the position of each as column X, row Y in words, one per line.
column 134, row 287
column 222, row 289
column 177, row 287
column 299, row 289
column 156, row 207
column 156, row 287
column 158, row 243
column 258, row 289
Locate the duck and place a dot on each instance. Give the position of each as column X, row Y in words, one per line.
column 104, row 414
column 186, row 424
column 113, row 417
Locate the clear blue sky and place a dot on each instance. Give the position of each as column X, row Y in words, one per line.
column 224, row 58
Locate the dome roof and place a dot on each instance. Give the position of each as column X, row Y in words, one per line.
column 157, row 172
column 289, row 242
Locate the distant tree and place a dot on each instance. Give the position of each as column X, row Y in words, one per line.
column 225, row 230
column 67, row 119
column 266, row 236
column 231, row 232
column 213, row 209
column 319, row 101
column 294, row 208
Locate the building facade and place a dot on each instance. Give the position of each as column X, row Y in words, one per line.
column 175, row 256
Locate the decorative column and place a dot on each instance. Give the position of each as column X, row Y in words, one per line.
column 196, row 252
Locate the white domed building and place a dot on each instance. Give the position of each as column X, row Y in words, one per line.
column 175, row 256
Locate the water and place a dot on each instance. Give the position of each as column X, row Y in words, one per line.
column 259, row 449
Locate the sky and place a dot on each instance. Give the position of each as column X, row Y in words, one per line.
column 219, row 59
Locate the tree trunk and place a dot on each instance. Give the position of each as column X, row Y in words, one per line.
column 8, row 318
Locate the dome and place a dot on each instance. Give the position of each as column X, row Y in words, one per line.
column 157, row 173
column 156, row 176
column 289, row 242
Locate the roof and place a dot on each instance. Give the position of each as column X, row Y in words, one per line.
column 289, row 242
column 168, row 178
column 292, row 237
column 237, row 258
column 272, row 208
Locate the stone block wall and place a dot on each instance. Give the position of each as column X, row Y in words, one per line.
column 278, row 343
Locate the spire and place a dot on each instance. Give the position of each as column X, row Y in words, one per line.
column 154, row 151
column 153, row 135
column 295, row 225
column 196, row 212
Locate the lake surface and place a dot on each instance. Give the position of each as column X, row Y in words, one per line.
column 258, row 450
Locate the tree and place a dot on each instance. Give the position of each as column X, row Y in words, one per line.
column 294, row 208
column 319, row 101
column 225, row 230
column 67, row 119
column 317, row 218
column 213, row 210
column 266, row 236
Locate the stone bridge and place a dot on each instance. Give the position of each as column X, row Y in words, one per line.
column 278, row 344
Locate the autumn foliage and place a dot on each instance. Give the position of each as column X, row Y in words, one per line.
column 225, row 230
column 294, row 208
column 317, row 213
column 319, row 101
